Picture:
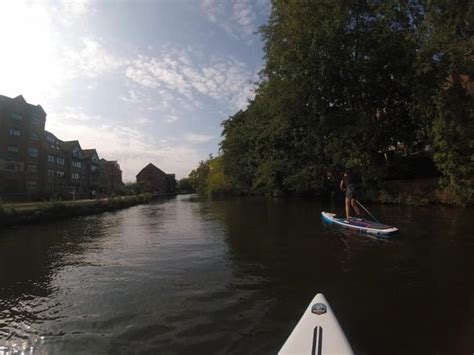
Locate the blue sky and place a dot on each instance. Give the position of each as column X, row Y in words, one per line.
column 140, row 81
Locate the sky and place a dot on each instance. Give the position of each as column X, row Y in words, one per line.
column 141, row 81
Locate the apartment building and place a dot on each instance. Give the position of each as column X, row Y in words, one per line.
column 75, row 172
column 92, row 170
column 54, row 166
column 21, row 132
column 110, row 177
column 36, row 164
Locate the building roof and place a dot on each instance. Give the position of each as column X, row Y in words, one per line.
column 20, row 99
column 52, row 134
column 89, row 153
column 70, row 145
column 113, row 163
column 152, row 168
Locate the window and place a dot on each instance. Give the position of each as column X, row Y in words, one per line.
column 33, row 152
column 75, row 176
column 34, row 136
column 76, row 153
column 12, row 149
column 14, row 132
column 51, row 173
column 60, row 174
column 60, row 161
column 76, row 164
column 51, row 158
column 16, row 116
column 32, row 168
column 13, row 166
column 93, row 168
column 50, row 138
column 35, row 120
column 31, row 186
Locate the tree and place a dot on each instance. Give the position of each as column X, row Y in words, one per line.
column 448, row 54
column 184, row 186
column 335, row 91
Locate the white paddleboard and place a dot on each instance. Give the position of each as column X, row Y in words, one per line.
column 317, row 333
column 361, row 225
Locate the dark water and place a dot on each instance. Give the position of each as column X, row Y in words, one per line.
column 233, row 277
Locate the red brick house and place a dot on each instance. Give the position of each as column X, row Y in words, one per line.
column 155, row 180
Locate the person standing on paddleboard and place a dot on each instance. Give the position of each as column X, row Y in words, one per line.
column 347, row 185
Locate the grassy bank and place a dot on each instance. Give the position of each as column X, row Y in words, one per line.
column 17, row 214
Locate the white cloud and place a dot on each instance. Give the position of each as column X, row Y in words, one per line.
column 244, row 15
column 198, row 138
column 70, row 11
column 220, row 79
column 237, row 18
column 76, row 114
column 172, row 118
column 90, row 59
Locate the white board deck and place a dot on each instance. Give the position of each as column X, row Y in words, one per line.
column 361, row 225
column 318, row 332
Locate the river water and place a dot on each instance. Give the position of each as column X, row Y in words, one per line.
column 183, row 276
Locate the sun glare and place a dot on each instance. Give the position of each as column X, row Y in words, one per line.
column 29, row 64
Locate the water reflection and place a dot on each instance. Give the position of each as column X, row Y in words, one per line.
column 31, row 259
column 184, row 275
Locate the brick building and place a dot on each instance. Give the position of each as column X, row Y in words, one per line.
column 54, row 166
column 111, row 177
column 92, row 171
column 155, row 180
column 21, row 132
column 35, row 164
column 75, row 174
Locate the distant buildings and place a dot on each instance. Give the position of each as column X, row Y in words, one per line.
column 35, row 164
column 154, row 180
column 111, row 177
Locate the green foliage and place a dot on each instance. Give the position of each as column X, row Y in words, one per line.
column 334, row 92
column 132, row 188
column 450, row 25
column 343, row 84
column 198, row 177
column 184, row 186
column 209, row 178
column 217, row 181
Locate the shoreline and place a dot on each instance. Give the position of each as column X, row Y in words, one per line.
column 30, row 213
column 417, row 192
column 420, row 192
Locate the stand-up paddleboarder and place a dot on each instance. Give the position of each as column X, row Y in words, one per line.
column 347, row 185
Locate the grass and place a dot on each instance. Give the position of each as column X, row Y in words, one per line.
column 16, row 214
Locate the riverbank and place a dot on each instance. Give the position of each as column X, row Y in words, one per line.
column 26, row 213
column 420, row 192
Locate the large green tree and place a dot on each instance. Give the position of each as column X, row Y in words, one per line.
column 335, row 91
column 448, row 56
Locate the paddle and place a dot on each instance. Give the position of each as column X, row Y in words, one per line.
column 366, row 210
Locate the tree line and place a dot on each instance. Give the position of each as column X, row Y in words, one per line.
column 344, row 82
